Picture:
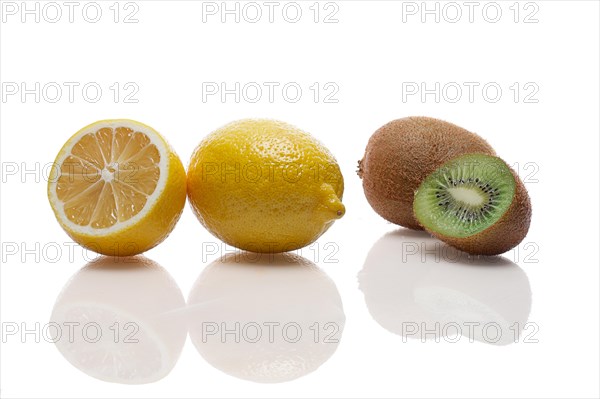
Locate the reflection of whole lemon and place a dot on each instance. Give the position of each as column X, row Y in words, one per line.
column 283, row 333
column 264, row 186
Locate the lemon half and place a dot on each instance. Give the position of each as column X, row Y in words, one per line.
column 117, row 187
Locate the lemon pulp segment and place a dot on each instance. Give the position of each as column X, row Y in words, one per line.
column 108, row 177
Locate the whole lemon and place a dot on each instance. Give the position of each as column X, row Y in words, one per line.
column 264, row 186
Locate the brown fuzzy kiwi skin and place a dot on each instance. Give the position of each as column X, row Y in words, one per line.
column 503, row 235
column 402, row 153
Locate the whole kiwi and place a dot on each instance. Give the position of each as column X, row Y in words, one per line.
column 401, row 153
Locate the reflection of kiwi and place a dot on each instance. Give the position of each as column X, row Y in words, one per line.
column 401, row 154
column 409, row 278
column 475, row 203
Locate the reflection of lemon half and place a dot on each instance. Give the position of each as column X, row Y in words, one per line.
column 120, row 320
column 117, row 187
column 137, row 356
column 265, row 186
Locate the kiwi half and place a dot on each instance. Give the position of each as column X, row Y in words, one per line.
column 401, row 154
column 475, row 203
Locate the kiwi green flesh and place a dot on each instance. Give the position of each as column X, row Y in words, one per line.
column 465, row 196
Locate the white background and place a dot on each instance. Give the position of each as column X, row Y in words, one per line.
column 372, row 54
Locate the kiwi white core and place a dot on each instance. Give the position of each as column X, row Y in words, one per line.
column 467, row 196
